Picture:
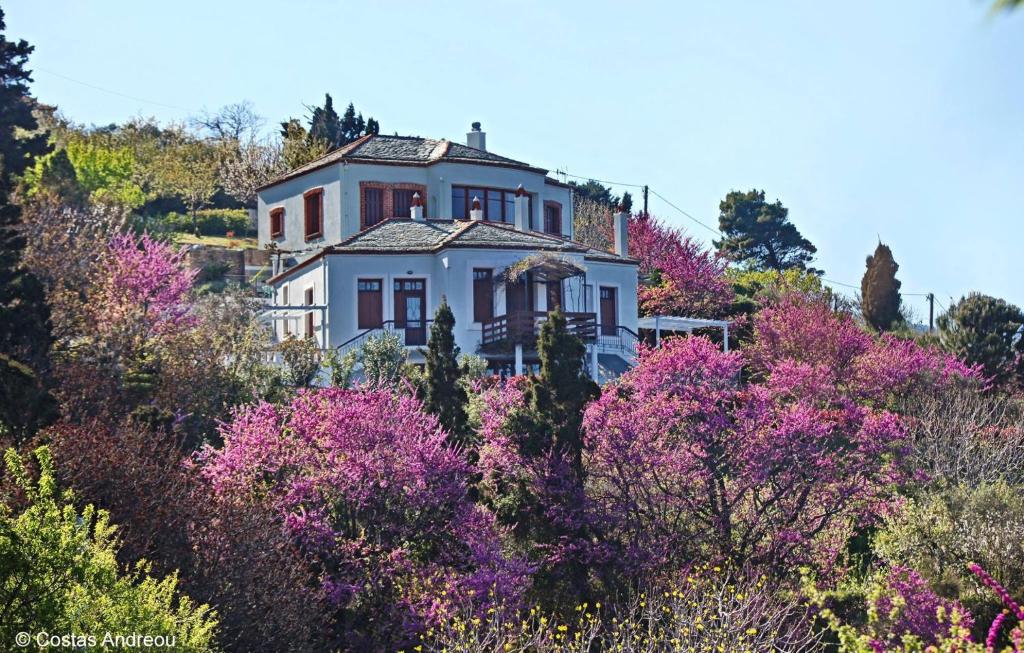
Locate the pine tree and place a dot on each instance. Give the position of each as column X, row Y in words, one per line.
column 880, row 290
column 25, row 337
column 760, row 234
column 444, row 396
column 979, row 329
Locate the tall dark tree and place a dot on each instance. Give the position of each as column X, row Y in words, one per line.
column 880, row 290
column 444, row 396
column 25, row 337
column 325, row 125
column 979, row 329
column 760, row 234
column 595, row 191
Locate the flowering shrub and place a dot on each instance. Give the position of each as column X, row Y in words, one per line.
column 905, row 616
column 367, row 485
column 682, row 277
column 685, row 463
column 803, row 346
column 709, row 609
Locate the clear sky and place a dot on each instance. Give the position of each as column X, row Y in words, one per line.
column 870, row 119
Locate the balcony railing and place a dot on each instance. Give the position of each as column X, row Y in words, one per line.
column 413, row 334
column 521, row 328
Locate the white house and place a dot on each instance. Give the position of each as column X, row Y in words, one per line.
column 373, row 235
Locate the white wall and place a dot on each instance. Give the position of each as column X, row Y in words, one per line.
column 455, row 282
column 288, row 194
column 342, row 196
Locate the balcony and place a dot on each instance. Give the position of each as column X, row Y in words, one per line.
column 504, row 332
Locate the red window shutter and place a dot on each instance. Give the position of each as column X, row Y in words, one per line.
column 277, row 223
column 314, row 210
column 483, row 295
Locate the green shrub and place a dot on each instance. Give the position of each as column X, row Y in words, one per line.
column 211, row 222
column 60, row 575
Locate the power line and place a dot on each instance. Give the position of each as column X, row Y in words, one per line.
column 601, row 181
column 711, row 229
column 107, row 90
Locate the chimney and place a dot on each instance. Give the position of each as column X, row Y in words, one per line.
column 522, row 209
column 620, row 223
column 476, row 138
column 416, row 210
column 476, row 213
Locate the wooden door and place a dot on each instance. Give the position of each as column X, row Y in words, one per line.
column 519, row 295
column 370, row 306
column 411, row 310
column 609, row 311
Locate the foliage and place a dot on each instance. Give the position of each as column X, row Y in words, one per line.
column 209, row 222
column 301, row 359
column 383, row 359
column 979, row 329
column 341, row 368
column 250, row 166
column 367, row 484
column 187, row 168
column 801, row 344
column 61, row 573
column 940, row 532
column 760, row 235
column 751, row 474
column 904, row 616
column 880, row 290
column 297, row 148
column 106, row 176
column 598, row 193
column 756, row 289
column 705, row 610
column 230, row 552
column 531, row 460
column 679, row 276
column 25, row 336
column 592, row 223
column 444, row 395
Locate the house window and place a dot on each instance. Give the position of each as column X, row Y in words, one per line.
column 277, row 223
column 370, row 308
column 498, row 205
column 483, row 295
column 553, row 218
column 314, row 206
column 401, row 201
column 373, row 206
column 309, row 314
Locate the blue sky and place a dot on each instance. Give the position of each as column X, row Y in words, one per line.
column 900, row 120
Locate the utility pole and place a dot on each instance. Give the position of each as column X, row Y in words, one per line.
column 645, row 200
column 931, row 312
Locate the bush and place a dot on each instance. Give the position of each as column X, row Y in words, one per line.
column 60, row 573
column 211, row 222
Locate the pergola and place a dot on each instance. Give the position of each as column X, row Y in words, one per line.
column 675, row 323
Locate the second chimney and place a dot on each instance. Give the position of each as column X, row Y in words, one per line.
column 416, row 210
column 476, row 138
column 620, row 231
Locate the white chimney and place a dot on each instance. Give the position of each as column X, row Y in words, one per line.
column 522, row 209
column 620, row 223
column 476, row 213
column 476, row 138
column 416, row 210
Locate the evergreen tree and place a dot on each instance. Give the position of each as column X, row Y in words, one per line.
column 324, row 124
column 25, row 337
column 444, row 396
column 880, row 290
column 979, row 329
column 760, row 234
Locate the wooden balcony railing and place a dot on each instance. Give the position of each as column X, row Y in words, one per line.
column 521, row 328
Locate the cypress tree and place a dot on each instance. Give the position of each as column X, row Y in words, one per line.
column 880, row 290
column 444, row 396
column 25, row 339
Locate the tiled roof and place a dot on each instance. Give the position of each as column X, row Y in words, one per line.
column 409, row 150
column 406, row 236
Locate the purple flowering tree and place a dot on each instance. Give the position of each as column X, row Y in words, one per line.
column 365, row 481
